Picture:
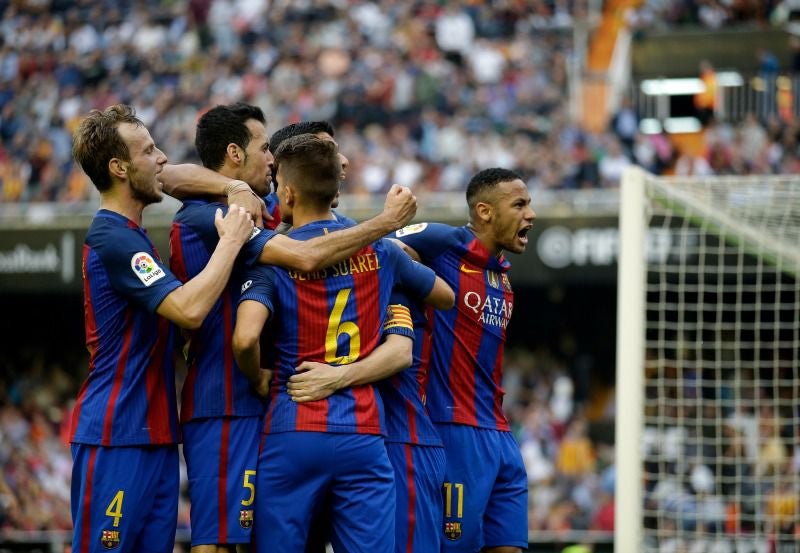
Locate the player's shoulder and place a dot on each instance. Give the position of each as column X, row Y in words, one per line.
column 195, row 211
column 427, row 230
column 430, row 239
column 344, row 219
column 112, row 231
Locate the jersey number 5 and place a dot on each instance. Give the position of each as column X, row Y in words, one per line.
column 336, row 328
column 251, row 487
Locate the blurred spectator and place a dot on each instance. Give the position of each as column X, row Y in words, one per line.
column 625, row 125
column 576, row 455
column 705, row 101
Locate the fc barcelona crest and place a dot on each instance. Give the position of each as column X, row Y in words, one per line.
column 506, row 282
column 110, row 538
column 246, row 518
column 452, row 530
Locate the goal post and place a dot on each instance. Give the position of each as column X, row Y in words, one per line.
column 708, row 364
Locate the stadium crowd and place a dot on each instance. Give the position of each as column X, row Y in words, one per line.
column 421, row 93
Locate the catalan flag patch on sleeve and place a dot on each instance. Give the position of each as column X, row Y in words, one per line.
column 398, row 317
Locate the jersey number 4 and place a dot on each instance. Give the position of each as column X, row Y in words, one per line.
column 114, row 509
column 337, row 328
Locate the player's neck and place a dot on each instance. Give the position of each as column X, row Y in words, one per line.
column 114, row 200
column 305, row 215
column 484, row 235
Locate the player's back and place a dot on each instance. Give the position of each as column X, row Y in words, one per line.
column 214, row 386
column 331, row 316
column 128, row 397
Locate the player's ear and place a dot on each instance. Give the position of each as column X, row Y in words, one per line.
column 289, row 195
column 234, row 152
column 483, row 211
column 118, row 168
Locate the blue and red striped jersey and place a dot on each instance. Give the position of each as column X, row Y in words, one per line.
column 128, row 397
column 214, row 385
column 466, row 363
column 274, row 209
column 407, row 419
column 333, row 316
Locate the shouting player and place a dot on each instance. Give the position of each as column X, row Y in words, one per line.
column 485, row 490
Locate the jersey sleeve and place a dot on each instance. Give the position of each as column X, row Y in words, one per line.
column 398, row 316
column 134, row 270
column 258, row 285
column 274, row 210
column 200, row 218
column 415, row 278
column 427, row 239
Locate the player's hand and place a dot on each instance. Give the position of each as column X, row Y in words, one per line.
column 240, row 193
column 236, row 226
column 262, row 385
column 314, row 381
column 400, row 206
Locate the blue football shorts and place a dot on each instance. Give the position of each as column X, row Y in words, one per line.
column 418, row 476
column 221, row 457
column 299, row 471
column 485, row 490
column 124, row 499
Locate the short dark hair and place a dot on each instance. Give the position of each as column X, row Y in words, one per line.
column 97, row 141
column 312, row 165
column 296, row 129
column 485, row 180
column 223, row 125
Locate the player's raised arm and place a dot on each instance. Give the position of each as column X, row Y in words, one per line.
column 189, row 304
column 187, row 180
column 315, row 381
column 323, row 251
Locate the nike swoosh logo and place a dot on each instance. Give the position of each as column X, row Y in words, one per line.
column 465, row 269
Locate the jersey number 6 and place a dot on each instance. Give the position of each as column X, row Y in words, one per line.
column 336, row 328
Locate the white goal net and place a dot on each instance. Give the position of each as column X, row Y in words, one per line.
column 708, row 365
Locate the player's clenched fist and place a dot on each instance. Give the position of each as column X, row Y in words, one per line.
column 236, row 226
column 400, row 205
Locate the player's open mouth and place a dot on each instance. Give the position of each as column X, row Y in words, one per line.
column 523, row 235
